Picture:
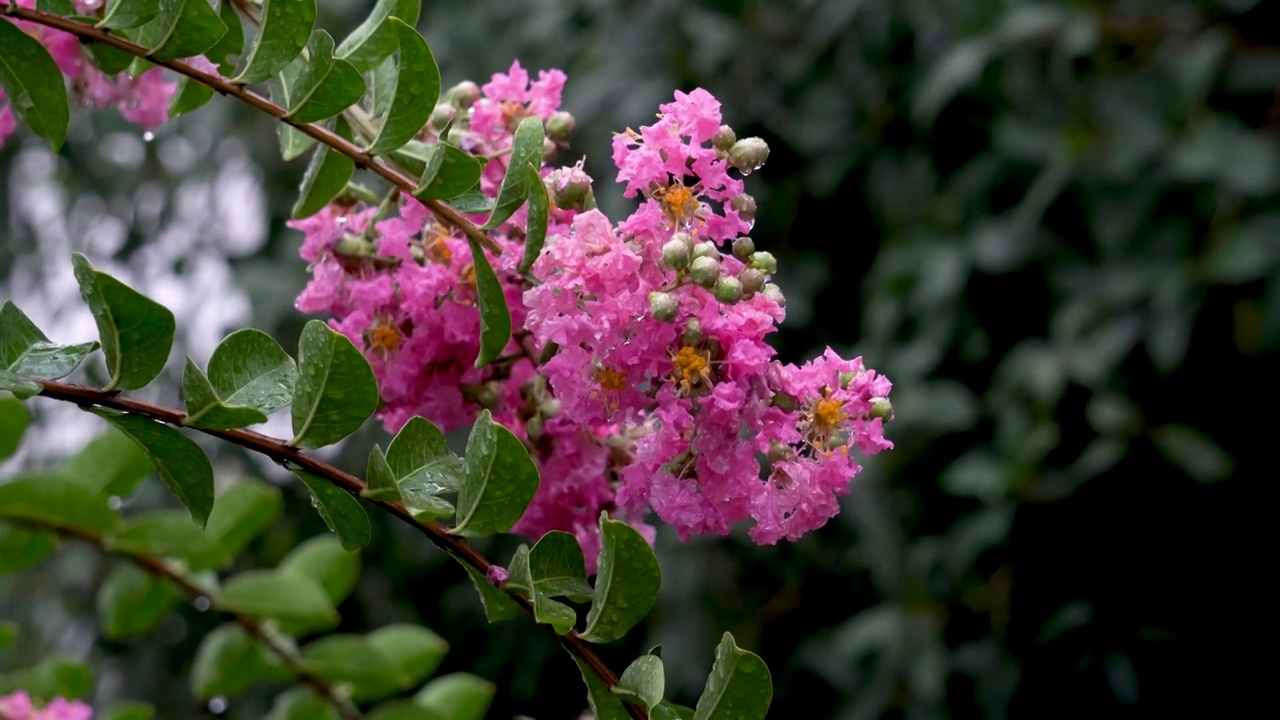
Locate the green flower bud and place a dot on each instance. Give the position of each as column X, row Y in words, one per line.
column 745, row 205
column 442, row 116
column 846, row 378
column 748, row 154
column 687, row 239
column 676, row 254
column 724, row 138
column 881, row 408
column 764, row 261
column 728, row 289
column 353, row 246
column 743, row 247
column 560, row 126
column 837, row 439
column 752, row 281
column 490, row 394
column 533, row 426
column 692, row 335
column 463, row 95
column 549, row 408
column 548, row 147
column 706, row 248
column 784, row 401
column 664, row 306
column 705, row 271
column 456, row 135
column 780, row 452
column 774, row 293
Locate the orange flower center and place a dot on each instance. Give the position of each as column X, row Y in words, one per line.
column 693, row 368
column 609, row 379
column 384, row 337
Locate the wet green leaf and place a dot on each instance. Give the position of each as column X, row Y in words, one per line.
column 500, row 480
column 283, row 32
column 136, row 331
column 341, row 512
column 417, row 89
column 336, row 390
column 34, row 85
column 739, row 687
column 374, row 39
column 181, row 463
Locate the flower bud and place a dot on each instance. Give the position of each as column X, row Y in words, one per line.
column 353, row 246
column 533, row 426
column 570, row 188
column 687, row 239
column 881, row 408
column 743, row 247
column 784, row 402
column 490, row 395
column 764, row 261
column 724, row 138
column 676, row 254
column 837, row 439
column 463, row 95
column 456, row 135
column 774, row 293
column 748, row 154
column 706, row 248
column 846, row 378
column 442, row 116
column 752, row 281
column 692, row 335
column 705, row 271
column 549, row 408
column 560, row 125
column 745, row 206
column 663, row 305
column 728, row 289
column 780, row 452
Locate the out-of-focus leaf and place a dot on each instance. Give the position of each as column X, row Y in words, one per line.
column 22, row 547
column 457, row 696
column 1194, row 453
column 297, row 602
column 323, row 559
column 56, row 502
column 132, row 601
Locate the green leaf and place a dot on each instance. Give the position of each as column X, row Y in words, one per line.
column 206, row 410
column 293, row 142
column 328, row 173
column 297, row 602
column 323, row 560
column 110, row 464
column 399, row 710
column 457, row 696
column 499, row 483
column 671, row 711
column 383, row 87
column 232, row 43
column 21, row 387
column 22, row 547
column 423, row 467
column 168, row 533
column 495, row 318
column 283, row 33
column 181, row 463
column 415, row 98
column 241, row 513
column 604, row 704
column 739, row 687
column 14, row 419
column 53, row 677
column 472, row 202
column 336, row 389
column 180, row 29
column 414, row 651
column 627, row 584
column 1194, row 452
column 56, row 502
column 643, row 681
column 125, row 14
column 341, row 511
column 447, row 172
column 133, row 602
column 498, row 605
column 559, row 616
column 558, row 568
column 228, row 662
column 24, row 350
column 8, row 633
column 301, row 703
column 249, row 368
column 380, row 482
column 374, row 39
column 352, row 661
column 539, row 210
column 136, row 332
column 110, row 60
column 190, row 96
column 130, row 711
column 323, row 86
column 526, row 149
column 34, row 85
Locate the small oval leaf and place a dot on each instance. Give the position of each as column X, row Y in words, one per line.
column 739, row 687
column 206, row 410
column 341, row 512
column 297, row 602
column 627, row 584
column 132, row 601
column 328, row 173
column 446, row 172
column 24, row 349
column 282, row 34
column 498, row 605
column 374, row 40
column 56, row 502
column 228, row 663
column 416, row 92
column 136, row 331
column 181, row 463
column 34, row 85
column 539, row 210
column 495, row 318
column 336, row 389
column 323, row 560
column 643, row 680
column 526, row 149
column 323, row 87
column 499, row 483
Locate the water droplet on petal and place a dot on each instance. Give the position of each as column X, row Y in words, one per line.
column 148, row 136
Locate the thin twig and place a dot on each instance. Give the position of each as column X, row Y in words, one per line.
column 394, row 175
column 287, row 656
column 282, row 453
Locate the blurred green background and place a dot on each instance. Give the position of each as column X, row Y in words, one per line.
column 1054, row 225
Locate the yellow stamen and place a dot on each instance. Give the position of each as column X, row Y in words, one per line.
column 383, row 337
column 693, row 368
column 678, row 203
column 610, row 379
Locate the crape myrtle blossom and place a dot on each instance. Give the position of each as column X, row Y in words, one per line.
column 20, row 706
column 638, row 374
column 142, row 100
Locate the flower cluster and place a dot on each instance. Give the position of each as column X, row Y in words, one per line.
column 143, row 100
column 638, row 375
column 19, row 706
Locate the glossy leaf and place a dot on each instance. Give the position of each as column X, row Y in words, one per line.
column 417, row 89
column 336, row 389
column 228, row 662
column 283, row 32
column 328, row 173
column 643, row 681
column 180, row 29
column 14, row 419
column 34, row 85
column 20, row 386
column 293, row 142
column 341, row 512
column 240, row 513
column 498, row 606
column 539, row 210
column 323, row 86
column 133, row 602
column 499, row 483
column 423, row 467
column 22, row 547
column 108, row 59
column 526, row 149
column 297, row 602
column 495, row 318
column 627, row 583
column 414, row 651
column 110, row 464
column 472, row 202
column 350, row 660
column 181, row 463
column 125, row 14
column 446, row 171
column 405, row 709
column 232, row 43
column 604, row 704
column 671, row 711
column 380, row 483
column 249, row 368
column 558, row 568
column 559, row 616
column 457, row 696
column 206, row 410
column 136, row 331
column 323, row 560
column 24, row 349
column 739, row 687
column 191, row 95
column 374, row 40
column 56, row 502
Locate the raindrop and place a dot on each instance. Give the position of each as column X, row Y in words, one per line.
column 218, row 705
column 114, row 502
column 148, row 136
column 202, row 603
column 341, row 220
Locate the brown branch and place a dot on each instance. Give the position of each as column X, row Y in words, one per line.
column 287, row 656
column 282, row 453
column 392, row 174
